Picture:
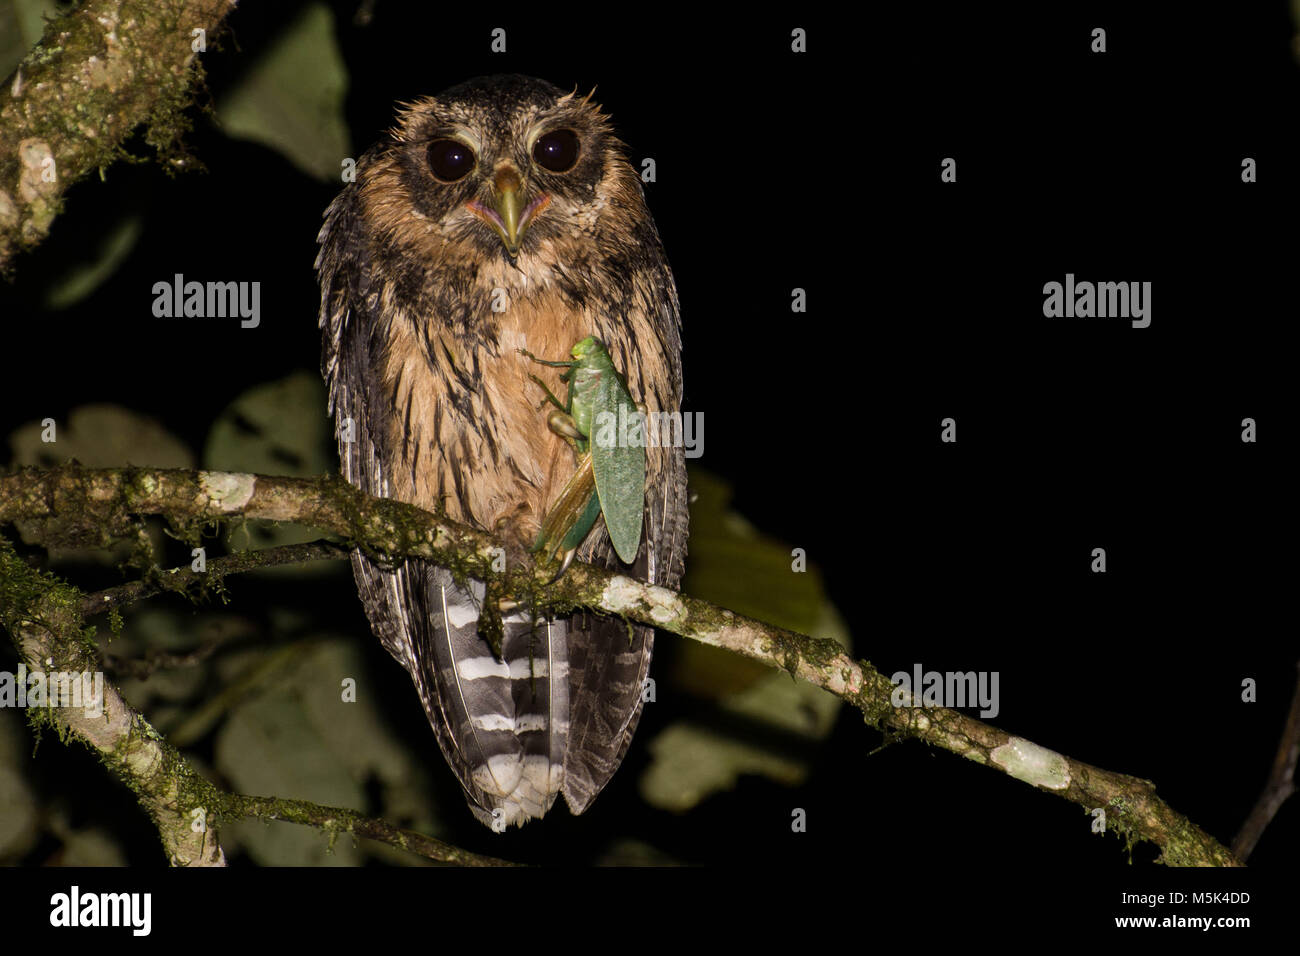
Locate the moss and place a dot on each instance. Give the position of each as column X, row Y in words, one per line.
column 28, row 594
column 40, row 719
column 138, row 485
column 1187, row 845
column 87, row 85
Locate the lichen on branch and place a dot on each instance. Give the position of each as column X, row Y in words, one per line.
column 99, row 72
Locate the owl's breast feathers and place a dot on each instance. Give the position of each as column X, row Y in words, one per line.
column 444, row 412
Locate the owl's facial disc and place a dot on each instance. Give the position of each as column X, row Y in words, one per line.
column 507, row 214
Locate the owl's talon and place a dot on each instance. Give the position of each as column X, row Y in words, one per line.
column 565, row 561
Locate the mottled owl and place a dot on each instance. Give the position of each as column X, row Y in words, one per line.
column 500, row 215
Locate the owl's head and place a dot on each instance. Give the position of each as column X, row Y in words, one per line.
column 499, row 166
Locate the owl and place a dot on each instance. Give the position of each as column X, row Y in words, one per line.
column 501, row 215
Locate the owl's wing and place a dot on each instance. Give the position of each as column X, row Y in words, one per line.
column 501, row 724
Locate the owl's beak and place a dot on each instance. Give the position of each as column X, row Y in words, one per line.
column 510, row 217
column 509, row 208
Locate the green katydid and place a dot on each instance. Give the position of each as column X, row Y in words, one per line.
column 606, row 430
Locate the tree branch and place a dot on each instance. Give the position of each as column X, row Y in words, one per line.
column 182, row 580
column 43, row 616
column 336, row 820
column 71, row 497
column 1281, row 782
column 98, row 73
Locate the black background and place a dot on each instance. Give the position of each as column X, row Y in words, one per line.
column 820, row 171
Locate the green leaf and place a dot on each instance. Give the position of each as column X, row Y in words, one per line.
column 298, row 737
column 277, row 428
column 101, row 436
column 269, row 746
column 291, row 99
column 80, row 279
column 731, row 563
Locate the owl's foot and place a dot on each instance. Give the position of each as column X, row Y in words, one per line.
column 566, row 559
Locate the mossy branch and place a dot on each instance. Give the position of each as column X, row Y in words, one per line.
column 336, row 820
column 99, row 72
column 43, row 616
column 69, row 495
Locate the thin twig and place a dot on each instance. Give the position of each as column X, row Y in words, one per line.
column 184, row 580
column 145, row 667
column 334, row 819
column 196, row 724
column 1281, row 782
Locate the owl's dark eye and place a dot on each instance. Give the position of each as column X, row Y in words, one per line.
column 450, row 160
column 557, row 150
